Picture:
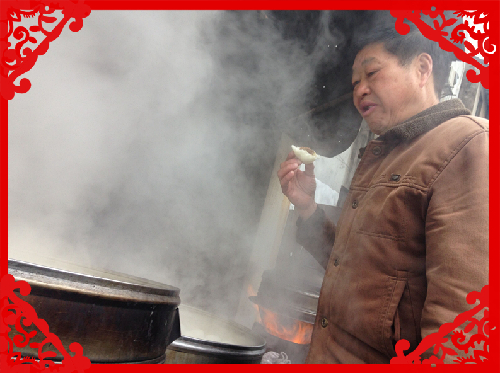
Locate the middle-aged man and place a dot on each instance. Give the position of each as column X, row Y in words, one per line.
column 412, row 238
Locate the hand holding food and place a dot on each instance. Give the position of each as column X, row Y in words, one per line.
column 299, row 186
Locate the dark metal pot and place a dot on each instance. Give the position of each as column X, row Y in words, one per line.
column 207, row 339
column 293, row 296
column 114, row 317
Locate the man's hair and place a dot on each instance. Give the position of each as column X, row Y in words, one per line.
column 407, row 47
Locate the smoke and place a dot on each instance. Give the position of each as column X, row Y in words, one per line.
column 146, row 143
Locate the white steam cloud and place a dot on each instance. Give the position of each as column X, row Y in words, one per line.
column 146, row 142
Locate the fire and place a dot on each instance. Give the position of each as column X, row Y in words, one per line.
column 285, row 328
column 296, row 331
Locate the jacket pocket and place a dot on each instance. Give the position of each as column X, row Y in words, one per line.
column 390, row 318
column 383, row 213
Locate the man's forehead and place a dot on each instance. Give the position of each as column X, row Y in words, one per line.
column 365, row 61
column 369, row 54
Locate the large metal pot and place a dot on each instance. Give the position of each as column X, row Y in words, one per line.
column 115, row 318
column 207, row 339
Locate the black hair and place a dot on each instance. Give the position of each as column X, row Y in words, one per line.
column 407, row 47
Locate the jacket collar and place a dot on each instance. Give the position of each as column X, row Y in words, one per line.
column 425, row 121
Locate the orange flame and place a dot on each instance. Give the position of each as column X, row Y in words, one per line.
column 296, row 331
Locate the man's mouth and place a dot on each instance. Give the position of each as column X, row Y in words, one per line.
column 366, row 109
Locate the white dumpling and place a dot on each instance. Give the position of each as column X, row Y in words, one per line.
column 306, row 155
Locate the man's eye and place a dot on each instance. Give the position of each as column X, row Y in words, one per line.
column 371, row 73
column 354, row 84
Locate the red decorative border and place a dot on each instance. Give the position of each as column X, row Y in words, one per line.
column 18, row 59
column 487, row 44
column 17, row 313
column 491, row 6
column 459, row 340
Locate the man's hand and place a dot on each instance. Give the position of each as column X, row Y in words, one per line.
column 299, row 186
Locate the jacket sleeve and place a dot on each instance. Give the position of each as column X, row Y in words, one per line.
column 457, row 252
column 317, row 235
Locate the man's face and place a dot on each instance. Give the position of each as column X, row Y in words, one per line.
column 385, row 93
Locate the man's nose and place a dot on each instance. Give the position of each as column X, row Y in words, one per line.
column 362, row 89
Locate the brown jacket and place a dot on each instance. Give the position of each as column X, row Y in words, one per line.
column 411, row 241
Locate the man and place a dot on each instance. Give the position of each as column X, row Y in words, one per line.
column 412, row 239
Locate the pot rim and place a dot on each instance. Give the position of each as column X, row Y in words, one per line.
column 128, row 288
column 190, row 344
column 219, row 349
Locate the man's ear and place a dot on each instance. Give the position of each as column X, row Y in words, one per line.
column 424, row 68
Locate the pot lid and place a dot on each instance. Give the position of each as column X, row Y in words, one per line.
column 94, row 282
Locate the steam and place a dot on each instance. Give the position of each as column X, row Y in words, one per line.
column 146, row 143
